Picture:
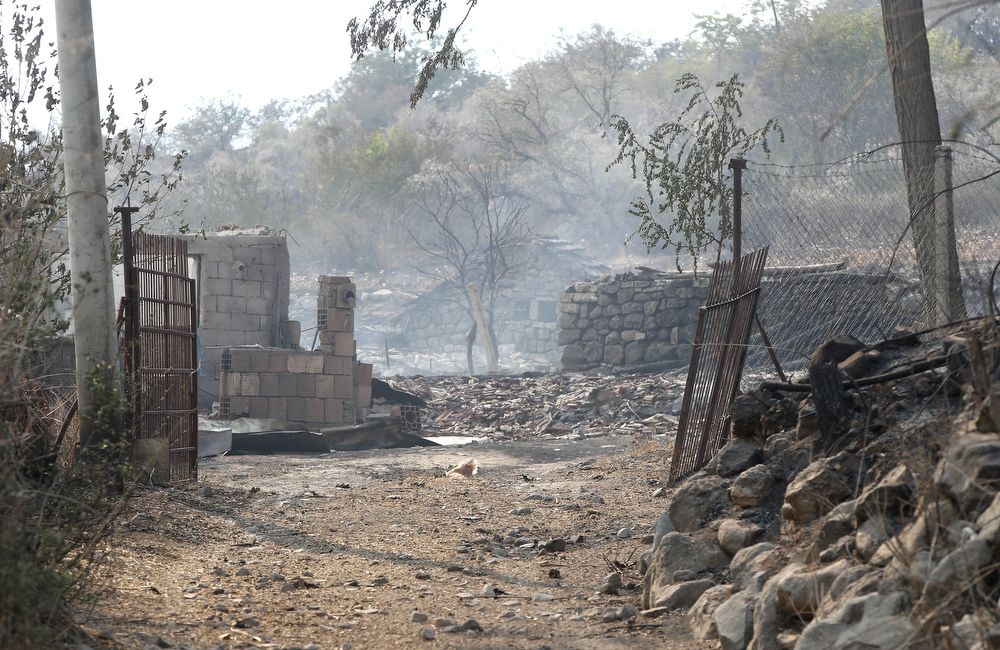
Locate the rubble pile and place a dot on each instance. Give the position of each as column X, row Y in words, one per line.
column 553, row 404
column 869, row 518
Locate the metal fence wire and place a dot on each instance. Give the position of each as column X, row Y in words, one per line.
column 841, row 254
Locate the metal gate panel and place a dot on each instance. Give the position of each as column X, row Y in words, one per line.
column 717, row 358
column 164, row 364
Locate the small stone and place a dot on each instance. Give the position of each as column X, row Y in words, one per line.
column 659, row 492
column 221, row 608
column 520, row 512
column 204, row 491
column 596, row 499
column 163, row 643
column 488, row 592
column 472, row 624
column 418, row 618
column 612, row 583
column 244, row 572
column 427, row 634
column 624, row 533
column 647, row 539
column 443, row 622
column 542, row 598
column 555, row 574
column 628, row 611
column 557, row 545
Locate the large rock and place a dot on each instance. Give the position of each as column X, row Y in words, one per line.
column 745, row 414
column 874, row 532
column 748, row 559
column 737, row 456
column 889, row 497
column 662, row 527
column 767, row 617
column 681, row 595
column 874, row 622
column 752, row 487
column 701, row 615
column 737, row 534
column 799, row 593
column 678, row 552
column 696, row 502
column 819, row 487
column 734, row 621
column 963, row 567
column 971, row 470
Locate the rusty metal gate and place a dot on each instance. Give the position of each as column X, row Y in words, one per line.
column 717, row 357
column 161, row 352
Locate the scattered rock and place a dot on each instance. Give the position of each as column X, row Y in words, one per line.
column 701, row 615
column 427, row 634
column 696, row 502
column 737, row 534
column 970, row 472
column 418, row 617
column 752, row 487
column 680, row 595
column 737, row 456
column 611, row 584
column 820, row 486
column 624, row 533
column 204, row 491
column 678, row 551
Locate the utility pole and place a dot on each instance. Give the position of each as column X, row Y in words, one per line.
column 87, row 209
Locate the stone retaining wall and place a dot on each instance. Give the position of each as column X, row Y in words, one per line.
column 627, row 322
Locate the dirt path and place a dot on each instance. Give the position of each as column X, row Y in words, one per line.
column 353, row 549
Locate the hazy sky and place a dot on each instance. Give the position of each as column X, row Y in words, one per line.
column 204, row 49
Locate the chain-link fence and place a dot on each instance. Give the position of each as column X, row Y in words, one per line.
column 841, row 253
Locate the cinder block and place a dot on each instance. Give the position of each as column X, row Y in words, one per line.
column 363, row 374
column 296, row 409
column 279, row 362
column 232, row 304
column 287, row 384
column 296, row 363
column 214, row 320
column 229, row 384
column 247, row 288
column 260, row 361
column 208, row 303
column 326, row 337
column 343, row 344
column 239, row 407
column 217, row 287
column 334, row 411
column 306, row 385
column 258, row 407
column 315, row 410
column 246, row 322
column 277, row 408
column 315, row 363
column 269, row 385
column 259, row 306
column 343, row 386
column 333, row 365
column 363, row 396
column 250, row 386
column 325, row 387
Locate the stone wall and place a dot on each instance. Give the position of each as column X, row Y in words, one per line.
column 627, row 322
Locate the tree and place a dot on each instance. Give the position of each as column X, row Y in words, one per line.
column 684, row 168
column 476, row 235
column 920, row 133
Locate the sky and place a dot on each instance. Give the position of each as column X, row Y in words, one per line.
column 199, row 50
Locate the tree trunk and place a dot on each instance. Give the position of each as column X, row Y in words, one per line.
column 470, row 339
column 87, row 207
column 920, row 133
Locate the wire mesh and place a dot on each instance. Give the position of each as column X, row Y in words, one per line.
column 841, row 253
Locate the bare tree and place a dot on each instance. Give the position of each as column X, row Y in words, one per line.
column 477, row 235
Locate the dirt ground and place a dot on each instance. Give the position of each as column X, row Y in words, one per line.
column 355, row 549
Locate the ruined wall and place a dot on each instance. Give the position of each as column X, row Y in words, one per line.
column 619, row 322
column 242, row 283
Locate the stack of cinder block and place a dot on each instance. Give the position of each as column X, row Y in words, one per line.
column 309, row 388
column 327, row 387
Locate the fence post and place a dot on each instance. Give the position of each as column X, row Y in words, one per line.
column 948, row 298
column 737, row 165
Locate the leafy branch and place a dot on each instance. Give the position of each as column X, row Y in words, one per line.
column 684, row 168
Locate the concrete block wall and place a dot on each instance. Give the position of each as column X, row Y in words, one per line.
column 243, row 283
column 308, row 388
column 628, row 322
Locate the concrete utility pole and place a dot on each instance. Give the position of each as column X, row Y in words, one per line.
column 87, row 208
